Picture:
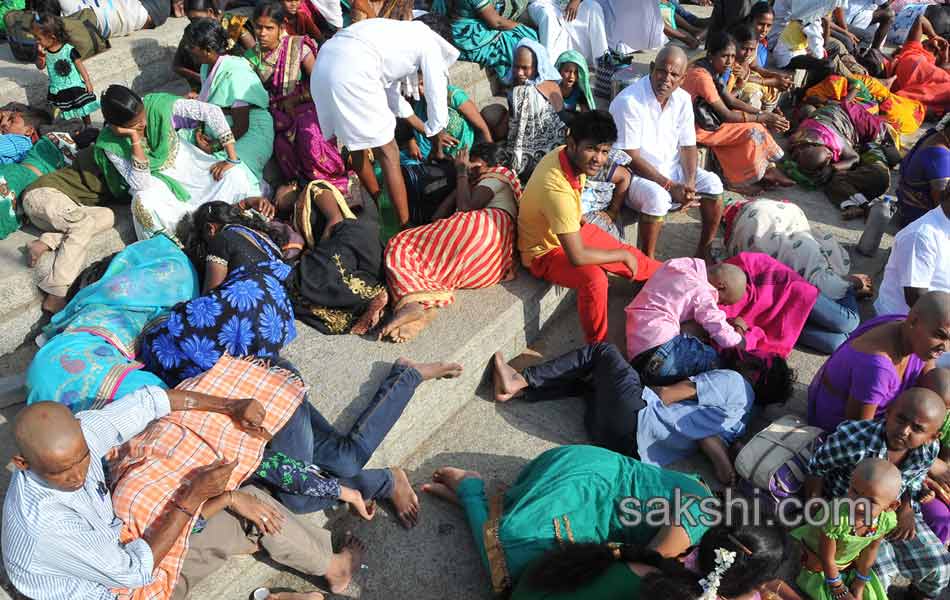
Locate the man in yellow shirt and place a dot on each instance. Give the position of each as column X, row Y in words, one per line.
column 555, row 244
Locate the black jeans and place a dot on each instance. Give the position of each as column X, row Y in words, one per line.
column 608, row 383
column 310, row 438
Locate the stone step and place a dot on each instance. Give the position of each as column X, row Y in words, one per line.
column 141, row 61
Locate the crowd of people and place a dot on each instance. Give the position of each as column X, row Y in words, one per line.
column 324, row 170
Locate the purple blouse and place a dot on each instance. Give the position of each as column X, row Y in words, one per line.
column 871, row 378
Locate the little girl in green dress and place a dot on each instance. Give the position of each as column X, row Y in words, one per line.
column 838, row 555
column 70, row 88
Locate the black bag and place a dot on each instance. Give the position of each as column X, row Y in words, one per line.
column 82, row 30
column 706, row 116
column 427, row 185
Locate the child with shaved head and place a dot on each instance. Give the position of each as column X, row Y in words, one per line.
column 839, row 554
column 907, row 438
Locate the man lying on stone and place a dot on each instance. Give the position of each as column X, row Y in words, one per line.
column 658, row 425
column 308, row 442
column 61, row 533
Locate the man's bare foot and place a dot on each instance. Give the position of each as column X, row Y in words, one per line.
column 35, row 250
column 408, row 331
column 433, row 370
column 404, row 499
column 53, row 304
column 506, row 382
column 374, row 312
column 747, row 189
column 445, row 482
column 344, row 563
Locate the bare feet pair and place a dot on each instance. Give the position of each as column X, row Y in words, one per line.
column 265, row 594
column 445, row 483
column 408, row 322
column 506, row 381
column 373, row 314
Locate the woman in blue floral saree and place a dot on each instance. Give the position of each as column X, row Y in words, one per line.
column 88, row 359
column 244, row 310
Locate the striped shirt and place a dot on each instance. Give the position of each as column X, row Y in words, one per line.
column 65, row 545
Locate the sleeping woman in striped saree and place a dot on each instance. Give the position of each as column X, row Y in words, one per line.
column 469, row 246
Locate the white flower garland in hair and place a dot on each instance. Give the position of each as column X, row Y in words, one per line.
column 710, row 583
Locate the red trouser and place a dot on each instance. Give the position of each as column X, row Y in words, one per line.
column 590, row 281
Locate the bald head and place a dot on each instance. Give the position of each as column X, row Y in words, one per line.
column 927, row 328
column 671, row 53
column 729, row 280
column 914, row 419
column 51, row 444
column 937, row 381
column 877, row 478
column 934, row 307
column 667, row 72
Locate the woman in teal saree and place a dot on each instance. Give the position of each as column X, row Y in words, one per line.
column 576, row 494
column 484, row 30
column 88, row 358
column 231, row 83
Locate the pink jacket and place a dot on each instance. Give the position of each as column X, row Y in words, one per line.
column 677, row 292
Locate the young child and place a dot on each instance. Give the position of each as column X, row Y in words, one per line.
column 839, row 555
column 683, row 289
column 70, row 87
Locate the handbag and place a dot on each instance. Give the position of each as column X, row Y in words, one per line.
column 774, row 463
column 82, row 31
column 706, row 116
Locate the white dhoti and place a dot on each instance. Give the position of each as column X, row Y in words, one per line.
column 648, row 197
column 587, row 33
column 156, row 209
column 633, row 25
column 351, row 98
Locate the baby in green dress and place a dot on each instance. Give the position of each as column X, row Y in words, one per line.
column 838, row 555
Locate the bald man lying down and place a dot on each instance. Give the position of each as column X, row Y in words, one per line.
column 60, row 533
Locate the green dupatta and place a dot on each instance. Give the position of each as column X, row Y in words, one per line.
column 583, row 74
column 160, row 146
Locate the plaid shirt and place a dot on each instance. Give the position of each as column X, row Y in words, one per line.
column 852, row 442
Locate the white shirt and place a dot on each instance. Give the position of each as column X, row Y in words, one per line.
column 645, row 126
column 65, row 545
column 405, row 48
column 920, row 258
column 860, row 13
column 116, row 18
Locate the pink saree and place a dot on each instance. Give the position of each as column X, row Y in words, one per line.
column 301, row 150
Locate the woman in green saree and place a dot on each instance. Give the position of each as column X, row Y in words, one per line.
column 231, row 83
column 484, row 30
column 575, row 494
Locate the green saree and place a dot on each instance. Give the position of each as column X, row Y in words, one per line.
column 573, row 494
column 232, row 82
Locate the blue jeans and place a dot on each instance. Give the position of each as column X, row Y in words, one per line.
column 602, row 376
column 677, row 359
column 830, row 323
column 310, row 438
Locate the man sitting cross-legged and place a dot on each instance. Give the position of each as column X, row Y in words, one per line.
column 655, row 127
column 556, row 245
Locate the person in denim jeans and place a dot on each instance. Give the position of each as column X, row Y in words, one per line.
column 309, row 438
column 660, row 424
